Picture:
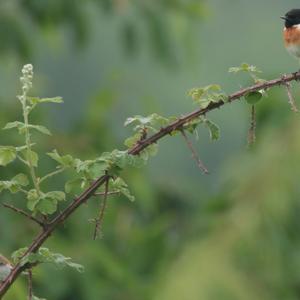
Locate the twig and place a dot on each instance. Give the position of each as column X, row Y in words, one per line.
column 194, row 153
column 29, row 284
column 60, row 170
column 108, row 193
column 251, row 132
column 25, row 214
column 291, row 99
column 90, row 191
column 99, row 220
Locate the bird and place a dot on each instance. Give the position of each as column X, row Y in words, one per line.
column 291, row 32
column 5, row 268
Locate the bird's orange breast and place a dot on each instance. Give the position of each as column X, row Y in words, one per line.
column 291, row 36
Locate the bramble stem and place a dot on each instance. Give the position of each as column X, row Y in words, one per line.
column 51, row 174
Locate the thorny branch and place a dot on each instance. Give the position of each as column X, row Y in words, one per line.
column 90, row 191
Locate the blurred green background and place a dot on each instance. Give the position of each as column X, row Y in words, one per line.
column 233, row 234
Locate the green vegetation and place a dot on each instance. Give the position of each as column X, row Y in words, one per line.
column 232, row 234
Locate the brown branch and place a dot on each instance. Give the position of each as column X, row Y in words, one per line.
column 99, row 220
column 25, row 214
column 90, row 191
column 194, row 153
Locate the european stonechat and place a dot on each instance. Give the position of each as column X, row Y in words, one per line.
column 291, row 33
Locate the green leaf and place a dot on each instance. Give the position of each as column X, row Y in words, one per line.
column 214, row 129
column 66, row 161
column 131, row 141
column 7, row 155
column 15, row 124
column 59, row 260
column 253, row 97
column 138, row 161
column 15, row 184
column 192, row 125
column 47, row 203
column 56, row 195
column 152, row 149
column 198, row 93
column 31, row 156
column 46, row 206
column 19, row 125
column 244, row 67
column 98, row 169
column 203, row 96
column 40, row 128
column 150, row 122
column 44, row 255
column 120, row 185
column 72, row 185
column 16, row 255
column 21, row 179
column 32, row 199
column 36, row 100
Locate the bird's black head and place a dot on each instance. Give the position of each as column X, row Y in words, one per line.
column 292, row 18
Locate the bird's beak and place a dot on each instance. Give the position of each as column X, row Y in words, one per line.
column 283, row 18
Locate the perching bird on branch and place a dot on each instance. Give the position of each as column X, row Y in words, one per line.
column 291, row 32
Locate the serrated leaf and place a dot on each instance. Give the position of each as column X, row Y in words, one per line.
column 253, row 97
column 214, row 130
column 7, row 155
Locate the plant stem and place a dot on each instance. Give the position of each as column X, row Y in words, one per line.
column 28, row 145
column 51, row 174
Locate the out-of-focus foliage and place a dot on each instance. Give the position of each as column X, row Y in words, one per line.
column 251, row 246
column 153, row 19
column 186, row 234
